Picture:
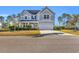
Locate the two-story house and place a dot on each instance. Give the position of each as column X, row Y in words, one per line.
column 39, row 19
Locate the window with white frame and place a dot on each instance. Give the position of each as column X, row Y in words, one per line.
column 46, row 16
column 25, row 17
column 33, row 17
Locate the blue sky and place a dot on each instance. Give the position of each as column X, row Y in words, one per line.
column 9, row 10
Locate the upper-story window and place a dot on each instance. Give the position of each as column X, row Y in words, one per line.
column 25, row 17
column 46, row 16
column 33, row 17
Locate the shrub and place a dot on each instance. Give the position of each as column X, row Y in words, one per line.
column 11, row 28
column 28, row 27
column 56, row 28
column 24, row 28
column 59, row 27
column 62, row 27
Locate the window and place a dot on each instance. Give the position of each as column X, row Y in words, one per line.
column 25, row 17
column 46, row 16
column 33, row 17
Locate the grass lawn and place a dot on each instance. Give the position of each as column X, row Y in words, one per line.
column 20, row 33
column 71, row 32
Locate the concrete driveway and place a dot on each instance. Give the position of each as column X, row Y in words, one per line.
column 49, row 43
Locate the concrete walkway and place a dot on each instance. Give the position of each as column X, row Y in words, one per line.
column 54, row 32
column 49, row 31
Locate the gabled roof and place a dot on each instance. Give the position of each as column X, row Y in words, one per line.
column 33, row 11
column 48, row 9
column 37, row 11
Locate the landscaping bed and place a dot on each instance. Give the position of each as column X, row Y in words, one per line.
column 20, row 33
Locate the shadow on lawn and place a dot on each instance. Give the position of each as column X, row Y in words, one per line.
column 42, row 35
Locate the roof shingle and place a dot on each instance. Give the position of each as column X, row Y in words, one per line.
column 33, row 11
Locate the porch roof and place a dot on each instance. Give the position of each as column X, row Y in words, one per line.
column 28, row 20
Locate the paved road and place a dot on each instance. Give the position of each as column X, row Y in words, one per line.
column 41, row 43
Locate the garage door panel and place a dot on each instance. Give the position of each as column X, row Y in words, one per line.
column 46, row 26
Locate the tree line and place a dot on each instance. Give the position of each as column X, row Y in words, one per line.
column 69, row 21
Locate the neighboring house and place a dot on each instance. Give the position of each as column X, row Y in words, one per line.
column 38, row 19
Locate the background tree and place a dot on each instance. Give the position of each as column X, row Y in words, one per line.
column 11, row 21
column 64, row 17
column 68, row 17
column 1, row 21
column 75, row 19
column 60, row 21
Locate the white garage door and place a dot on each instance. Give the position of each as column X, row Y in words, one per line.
column 46, row 26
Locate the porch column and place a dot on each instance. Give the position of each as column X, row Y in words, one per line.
column 28, row 23
column 22, row 25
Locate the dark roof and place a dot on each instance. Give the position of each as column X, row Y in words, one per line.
column 28, row 20
column 36, row 11
column 33, row 11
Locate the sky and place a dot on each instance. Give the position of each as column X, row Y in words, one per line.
column 58, row 10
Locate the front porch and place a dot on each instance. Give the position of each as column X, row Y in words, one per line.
column 25, row 24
